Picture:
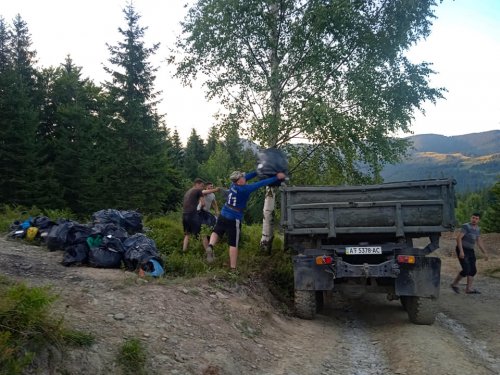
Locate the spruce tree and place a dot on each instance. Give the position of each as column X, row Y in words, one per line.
column 194, row 155
column 68, row 123
column 18, row 115
column 491, row 218
column 135, row 171
column 177, row 151
column 212, row 141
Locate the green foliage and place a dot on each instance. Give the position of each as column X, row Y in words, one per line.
column 194, row 155
column 9, row 214
column 27, row 326
column 469, row 203
column 491, row 218
column 167, row 233
column 279, row 76
column 18, row 115
column 132, row 357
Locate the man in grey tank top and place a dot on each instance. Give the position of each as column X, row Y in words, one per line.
column 468, row 236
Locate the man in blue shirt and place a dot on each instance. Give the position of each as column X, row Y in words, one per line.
column 229, row 220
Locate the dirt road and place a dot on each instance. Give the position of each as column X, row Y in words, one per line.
column 211, row 326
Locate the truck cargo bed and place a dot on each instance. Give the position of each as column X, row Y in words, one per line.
column 392, row 210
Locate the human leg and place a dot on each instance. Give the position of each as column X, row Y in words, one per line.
column 471, row 260
column 185, row 242
column 204, row 242
column 454, row 284
column 233, row 257
column 233, row 240
column 214, row 238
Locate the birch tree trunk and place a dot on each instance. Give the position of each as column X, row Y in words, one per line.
column 266, row 241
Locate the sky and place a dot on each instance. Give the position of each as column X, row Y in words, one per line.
column 464, row 48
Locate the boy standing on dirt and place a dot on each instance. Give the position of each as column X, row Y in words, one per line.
column 468, row 236
column 229, row 220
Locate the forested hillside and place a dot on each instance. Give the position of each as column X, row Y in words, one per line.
column 472, row 159
column 70, row 143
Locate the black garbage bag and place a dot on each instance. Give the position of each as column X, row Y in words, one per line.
column 56, row 239
column 270, row 162
column 76, row 255
column 132, row 221
column 109, row 229
column 44, row 225
column 139, row 248
column 42, row 222
column 108, row 255
column 78, row 233
column 108, row 216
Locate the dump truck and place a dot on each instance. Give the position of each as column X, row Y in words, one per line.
column 360, row 239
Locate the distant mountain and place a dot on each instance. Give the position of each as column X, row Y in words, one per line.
column 475, row 144
column 471, row 159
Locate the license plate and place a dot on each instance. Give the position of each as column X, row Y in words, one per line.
column 363, row 250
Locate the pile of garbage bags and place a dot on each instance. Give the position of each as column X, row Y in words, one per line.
column 112, row 238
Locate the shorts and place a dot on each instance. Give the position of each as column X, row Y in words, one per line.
column 191, row 223
column 230, row 226
column 468, row 263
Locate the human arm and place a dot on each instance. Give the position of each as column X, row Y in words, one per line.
column 250, row 175
column 480, row 244
column 208, row 191
column 201, row 203
column 215, row 207
column 265, row 182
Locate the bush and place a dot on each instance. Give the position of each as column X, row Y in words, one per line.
column 132, row 357
column 28, row 326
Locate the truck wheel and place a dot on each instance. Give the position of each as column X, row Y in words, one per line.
column 404, row 302
column 305, row 303
column 320, row 300
column 421, row 310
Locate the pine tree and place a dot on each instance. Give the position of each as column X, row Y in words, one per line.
column 491, row 218
column 212, row 141
column 135, row 168
column 18, row 114
column 4, row 47
column 68, row 123
column 177, row 151
column 194, row 155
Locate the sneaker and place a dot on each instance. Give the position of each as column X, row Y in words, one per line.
column 210, row 255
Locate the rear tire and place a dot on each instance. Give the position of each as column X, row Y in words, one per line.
column 421, row 310
column 404, row 302
column 306, row 303
column 320, row 300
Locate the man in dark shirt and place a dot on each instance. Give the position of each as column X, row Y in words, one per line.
column 190, row 218
column 468, row 236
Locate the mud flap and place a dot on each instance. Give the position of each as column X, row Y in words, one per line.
column 420, row 279
column 310, row 276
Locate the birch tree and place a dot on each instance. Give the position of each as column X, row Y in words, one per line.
column 332, row 73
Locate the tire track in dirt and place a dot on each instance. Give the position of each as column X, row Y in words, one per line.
column 477, row 348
